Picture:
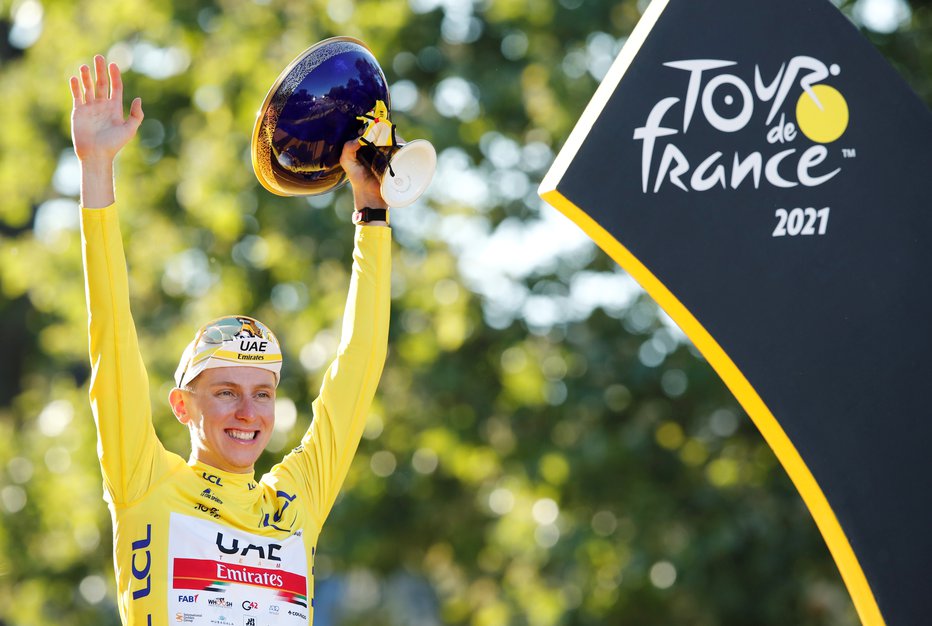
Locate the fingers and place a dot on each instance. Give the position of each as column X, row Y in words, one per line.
column 76, row 96
column 88, row 83
column 135, row 114
column 349, row 161
column 350, row 148
column 100, row 71
column 106, row 83
column 116, row 84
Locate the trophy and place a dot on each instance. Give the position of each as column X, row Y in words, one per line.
column 332, row 93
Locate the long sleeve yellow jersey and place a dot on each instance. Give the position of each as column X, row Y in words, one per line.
column 193, row 544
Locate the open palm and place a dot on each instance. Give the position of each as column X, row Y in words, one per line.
column 97, row 126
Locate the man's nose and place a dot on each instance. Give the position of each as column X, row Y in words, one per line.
column 246, row 409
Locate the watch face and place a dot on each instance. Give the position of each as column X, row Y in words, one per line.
column 310, row 112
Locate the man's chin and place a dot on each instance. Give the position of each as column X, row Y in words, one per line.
column 242, row 461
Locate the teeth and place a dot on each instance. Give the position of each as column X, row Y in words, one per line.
column 242, row 435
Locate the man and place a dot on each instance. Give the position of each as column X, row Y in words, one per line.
column 203, row 541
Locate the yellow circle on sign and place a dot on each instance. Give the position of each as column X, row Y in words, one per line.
column 823, row 121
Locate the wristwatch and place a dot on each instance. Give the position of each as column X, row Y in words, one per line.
column 368, row 214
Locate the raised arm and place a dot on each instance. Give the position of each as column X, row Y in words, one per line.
column 119, row 392
column 349, row 385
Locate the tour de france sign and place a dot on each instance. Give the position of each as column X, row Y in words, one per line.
column 766, row 176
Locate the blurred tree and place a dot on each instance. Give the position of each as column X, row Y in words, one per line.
column 545, row 449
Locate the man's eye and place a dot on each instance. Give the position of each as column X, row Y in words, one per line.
column 264, row 395
column 225, row 393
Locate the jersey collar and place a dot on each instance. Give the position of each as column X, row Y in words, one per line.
column 218, row 479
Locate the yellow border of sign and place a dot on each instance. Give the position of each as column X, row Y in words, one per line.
column 864, row 602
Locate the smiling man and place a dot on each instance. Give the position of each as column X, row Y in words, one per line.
column 203, row 541
column 225, row 392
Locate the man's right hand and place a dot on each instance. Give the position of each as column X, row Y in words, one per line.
column 366, row 187
column 98, row 129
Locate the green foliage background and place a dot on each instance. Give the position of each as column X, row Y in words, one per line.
column 522, row 465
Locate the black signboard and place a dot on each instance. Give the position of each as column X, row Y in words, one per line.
column 767, row 177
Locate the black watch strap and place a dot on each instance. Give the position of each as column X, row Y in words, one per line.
column 368, row 214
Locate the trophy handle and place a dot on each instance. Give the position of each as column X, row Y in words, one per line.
column 376, row 158
column 404, row 171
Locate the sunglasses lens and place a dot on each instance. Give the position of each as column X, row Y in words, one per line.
column 212, row 335
column 228, row 328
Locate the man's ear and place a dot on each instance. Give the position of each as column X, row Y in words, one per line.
column 178, row 402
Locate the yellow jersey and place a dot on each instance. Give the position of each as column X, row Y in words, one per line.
column 193, row 544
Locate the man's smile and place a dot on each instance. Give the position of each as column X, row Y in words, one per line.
column 242, row 435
